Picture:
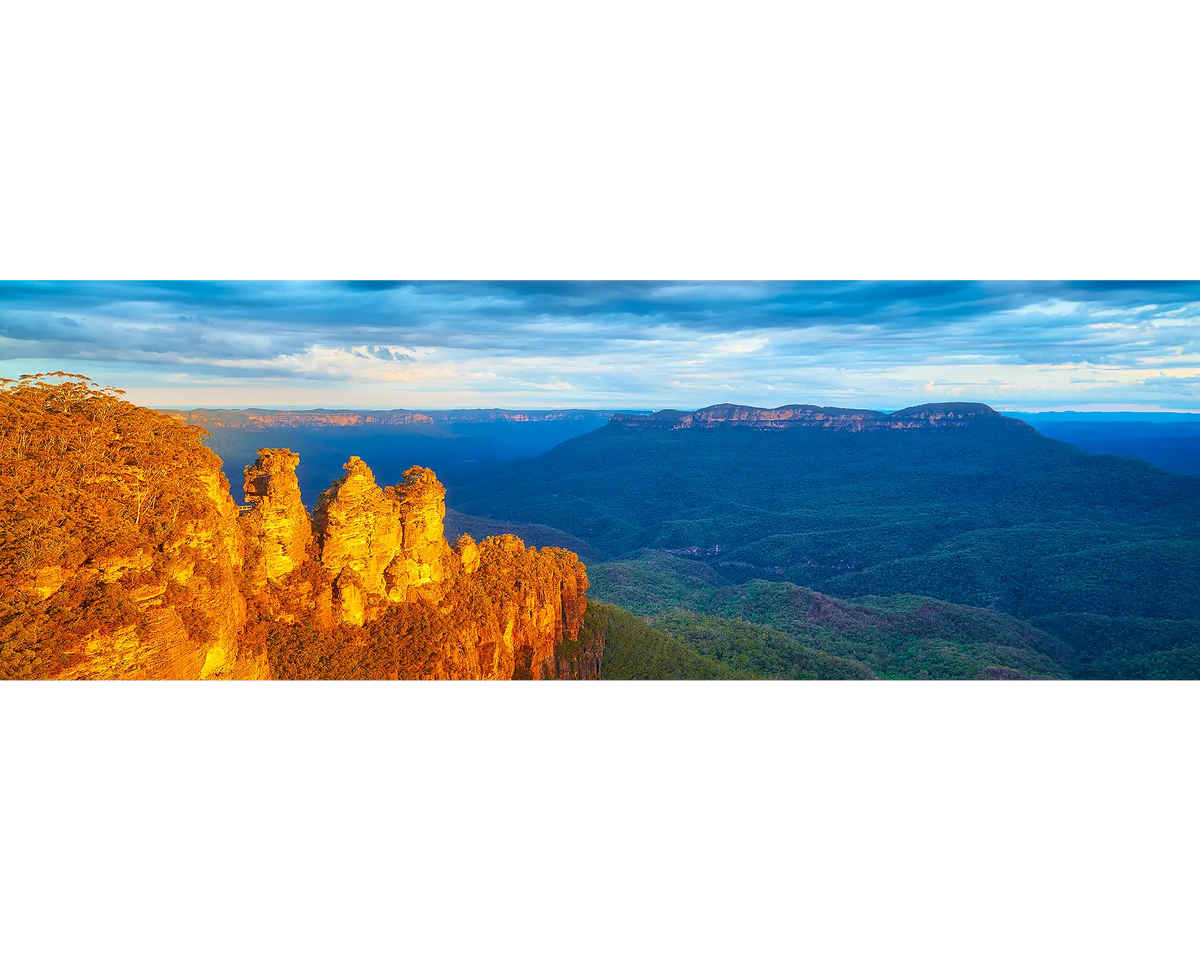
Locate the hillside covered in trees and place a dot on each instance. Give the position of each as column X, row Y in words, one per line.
column 776, row 629
column 1097, row 556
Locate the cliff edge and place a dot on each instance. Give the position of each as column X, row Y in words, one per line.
column 123, row 555
column 806, row 415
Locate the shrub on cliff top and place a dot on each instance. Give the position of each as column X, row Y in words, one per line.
column 87, row 481
column 86, row 475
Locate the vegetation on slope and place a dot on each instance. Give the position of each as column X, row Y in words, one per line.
column 895, row 637
column 533, row 534
column 634, row 650
column 93, row 483
column 761, row 651
column 1127, row 648
column 652, row 581
column 991, row 514
column 682, row 645
column 87, row 473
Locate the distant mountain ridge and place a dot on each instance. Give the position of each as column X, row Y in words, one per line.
column 951, row 501
column 252, row 418
column 807, row 415
column 719, row 414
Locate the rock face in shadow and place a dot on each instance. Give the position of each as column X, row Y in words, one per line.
column 539, row 597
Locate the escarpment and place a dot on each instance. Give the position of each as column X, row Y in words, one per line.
column 123, row 555
column 120, row 550
column 265, row 419
column 255, row 420
column 806, row 415
column 539, row 597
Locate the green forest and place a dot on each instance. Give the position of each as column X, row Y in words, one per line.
column 783, row 631
column 983, row 550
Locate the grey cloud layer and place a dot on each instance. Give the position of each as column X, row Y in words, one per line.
column 648, row 341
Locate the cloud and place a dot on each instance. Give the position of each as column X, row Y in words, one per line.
column 744, row 345
column 634, row 343
column 375, row 363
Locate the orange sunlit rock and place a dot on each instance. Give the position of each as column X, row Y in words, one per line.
column 123, row 555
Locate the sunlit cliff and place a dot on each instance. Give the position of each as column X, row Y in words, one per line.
column 123, row 555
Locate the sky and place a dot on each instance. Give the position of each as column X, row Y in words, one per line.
column 626, row 345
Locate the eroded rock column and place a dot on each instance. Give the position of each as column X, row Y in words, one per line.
column 277, row 521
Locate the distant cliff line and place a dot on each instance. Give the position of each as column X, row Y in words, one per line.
column 954, row 414
column 930, row 415
column 261, row 418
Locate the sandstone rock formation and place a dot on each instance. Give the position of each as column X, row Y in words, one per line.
column 120, row 550
column 540, row 605
column 277, row 523
column 518, row 616
column 382, row 544
column 806, row 415
column 468, row 552
column 492, row 610
column 123, row 555
column 424, row 553
column 171, row 612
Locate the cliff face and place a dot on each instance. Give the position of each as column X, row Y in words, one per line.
column 382, row 545
column 265, row 419
column 504, row 612
column 421, row 562
column 490, row 610
column 277, row 524
column 123, row 555
column 804, row 415
column 539, row 625
column 172, row 612
column 120, row 551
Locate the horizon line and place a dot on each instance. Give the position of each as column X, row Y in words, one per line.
column 1094, row 408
